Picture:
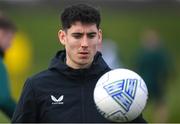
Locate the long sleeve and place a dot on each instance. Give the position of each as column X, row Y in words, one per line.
column 26, row 110
column 7, row 104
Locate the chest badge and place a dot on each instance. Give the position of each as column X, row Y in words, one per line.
column 57, row 101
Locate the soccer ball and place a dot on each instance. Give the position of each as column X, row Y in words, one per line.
column 120, row 95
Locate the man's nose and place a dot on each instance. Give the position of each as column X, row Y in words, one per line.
column 84, row 42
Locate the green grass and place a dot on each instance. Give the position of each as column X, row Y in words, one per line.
column 3, row 118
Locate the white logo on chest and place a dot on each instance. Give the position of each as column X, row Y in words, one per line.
column 57, row 101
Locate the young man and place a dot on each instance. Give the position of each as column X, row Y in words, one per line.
column 7, row 30
column 64, row 92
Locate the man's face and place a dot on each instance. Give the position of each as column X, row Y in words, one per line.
column 81, row 43
column 5, row 38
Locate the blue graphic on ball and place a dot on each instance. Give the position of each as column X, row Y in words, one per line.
column 123, row 92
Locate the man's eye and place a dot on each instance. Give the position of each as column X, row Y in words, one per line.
column 77, row 36
column 91, row 36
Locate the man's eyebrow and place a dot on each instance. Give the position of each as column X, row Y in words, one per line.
column 91, row 33
column 79, row 33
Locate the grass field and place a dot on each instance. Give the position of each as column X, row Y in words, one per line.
column 3, row 118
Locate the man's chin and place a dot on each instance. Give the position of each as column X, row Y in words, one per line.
column 84, row 64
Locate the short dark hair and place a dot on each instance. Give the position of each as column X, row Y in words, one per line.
column 80, row 12
column 6, row 23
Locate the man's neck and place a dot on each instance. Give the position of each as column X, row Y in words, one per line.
column 76, row 66
column 1, row 53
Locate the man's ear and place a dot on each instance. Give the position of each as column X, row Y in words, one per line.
column 100, row 36
column 62, row 37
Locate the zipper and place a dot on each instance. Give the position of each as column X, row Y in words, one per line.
column 83, row 103
column 82, row 96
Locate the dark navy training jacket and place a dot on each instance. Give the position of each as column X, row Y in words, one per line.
column 62, row 94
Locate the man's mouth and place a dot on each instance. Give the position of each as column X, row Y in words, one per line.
column 84, row 55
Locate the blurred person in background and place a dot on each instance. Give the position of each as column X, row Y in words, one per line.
column 7, row 32
column 109, row 51
column 153, row 65
column 64, row 91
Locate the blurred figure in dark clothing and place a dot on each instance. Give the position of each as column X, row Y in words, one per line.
column 7, row 31
column 153, row 65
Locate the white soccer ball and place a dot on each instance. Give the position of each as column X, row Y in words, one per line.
column 120, row 95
